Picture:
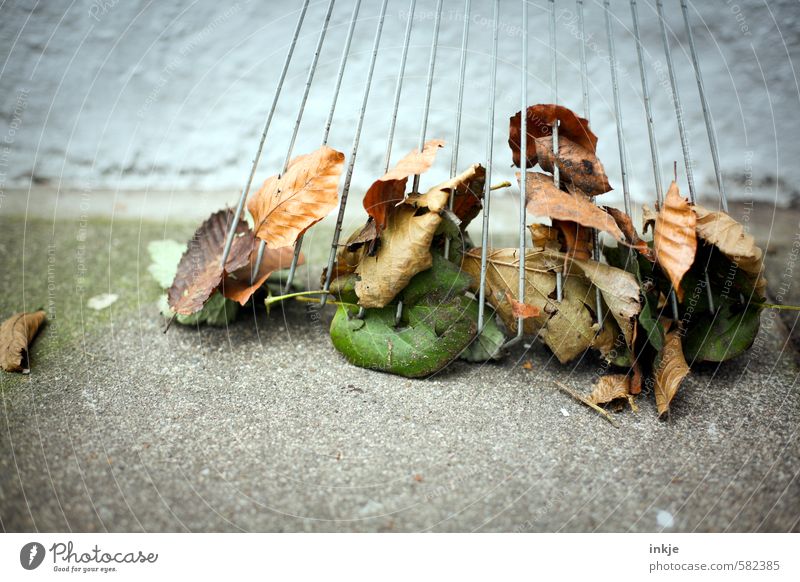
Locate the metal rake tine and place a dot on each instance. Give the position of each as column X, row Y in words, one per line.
column 309, row 79
column 489, row 150
column 523, row 157
column 349, row 176
column 596, row 254
column 342, row 64
column 246, row 190
column 712, row 135
column 651, row 131
column 554, row 88
column 459, row 106
column 687, row 155
column 426, row 111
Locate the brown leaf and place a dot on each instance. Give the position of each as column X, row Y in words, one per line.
column 520, row 309
column 670, row 371
column 577, row 240
column 237, row 286
column 725, row 233
column 648, row 218
column 467, row 191
column 540, row 119
column 199, row 271
column 404, row 250
column 610, row 388
column 16, row 335
column 625, row 224
column 545, row 199
column 287, row 206
column 675, row 239
column 390, row 189
column 544, row 237
column 577, row 165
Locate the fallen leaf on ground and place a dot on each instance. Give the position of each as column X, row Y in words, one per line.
column 540, row 119
column 16, row 335
column 217, row 311
column 404, row 250
column 390, row 189
column 164, row 256
column 670, row 371
column 611, row 387
column 102, row 301
column 576, row 164
column 545, row 199
column 199, row 271
column 729, row 236
column 237, row 287
column 675, row 240
column 286, row 206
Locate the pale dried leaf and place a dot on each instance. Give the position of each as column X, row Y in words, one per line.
column 670, row 371
column 675, row 240
column 16, row 335
column 611, row 387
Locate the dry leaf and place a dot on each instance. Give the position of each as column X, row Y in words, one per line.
column 675, row 239
column 404, row 250
column 625, row 224
column 520, row 309
column 670, row 372
column 610, row 388
column 648, row 218
column 540, row 121
column 544, row 237
column 390, row 189
column 467, row 191
column 16, row 335
column 286, row 206
column 577, row 240
column 725, row 233
column 577, row 165
column 199, row 271
column 545, row 199
column 237, row 286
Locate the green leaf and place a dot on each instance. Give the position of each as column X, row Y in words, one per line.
column 724, row 335
column 429, row 336
column 488, row 344
column 444, row 279
column 218, row 311
column 165, row 256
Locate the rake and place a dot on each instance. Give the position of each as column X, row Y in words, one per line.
column 465, row 6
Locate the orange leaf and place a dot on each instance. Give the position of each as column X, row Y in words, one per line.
column 199, row 271
column 625, row 224
column 545, row 199
column 577, row 240
column 16, row 335
column 670, row 372
column 390, row 189
column 286, row 206
column 675, row 239
column 540, row 121
column 577, row 165
column 520, row 309
column 237, row 287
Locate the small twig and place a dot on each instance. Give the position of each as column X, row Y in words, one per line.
column 588, row 403
column 276, row 298
column 329, row 302
column 169, row 323
column 776, row 306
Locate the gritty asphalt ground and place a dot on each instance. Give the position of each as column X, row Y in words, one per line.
column 263, row 426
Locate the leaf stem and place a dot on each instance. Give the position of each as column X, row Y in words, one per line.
column 329, row 302
column 777, row 306
column 504, row 184
column 588, row 403
column 276, row 298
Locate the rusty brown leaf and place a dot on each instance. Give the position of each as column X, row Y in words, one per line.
column 237, row 287
column 577, row 239
column 520, row 309
column 625, row 224
column 545, row 199
column 286, row 206
column 675, row 240
column 467, row 192
column 200, row 271
column 390, row 189
column 577, row 165
column 670, row 371
column 540, row 119
column 16, row 335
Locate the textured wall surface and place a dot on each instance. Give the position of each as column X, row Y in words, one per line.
column 165, row 95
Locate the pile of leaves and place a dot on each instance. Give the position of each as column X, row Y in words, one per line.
column 405, row 283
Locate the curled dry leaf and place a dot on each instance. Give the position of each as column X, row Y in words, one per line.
column 675, row 240
column 467, row 191
column 16, row 334
column 237, row 287
column 611, row 387
column 390, row 189
column 286, row 206
column 670, row 371
column 577, row 240
column 200, row 271
column 404, row 250
column 725, row 233
column 540, row 120
column 545, row 199
column 544, row 237
column 648, row 218
column 625, row 224
column 577, row 165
